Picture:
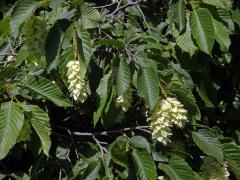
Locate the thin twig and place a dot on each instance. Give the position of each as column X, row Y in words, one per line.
column 36, row 168
column 7, row 62
column 102, row 149
column 163, row 92
column 73, row 143
column 131, row 55
column 104, row 6
column 144, row 18
column 124, row 7
column 60, row 174
column 104, row 133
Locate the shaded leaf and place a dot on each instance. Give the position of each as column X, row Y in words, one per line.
column 21, row 11
column 119, row 150
column 222, row 35
column 141, row 142
column 225, row 4
column 35, row 33
column 111, row 42
column 102, row 92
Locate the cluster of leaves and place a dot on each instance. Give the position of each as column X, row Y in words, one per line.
column 187, row 49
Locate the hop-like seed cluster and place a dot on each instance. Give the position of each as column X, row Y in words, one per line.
column 77, row 84
column 162, row 178
column 124, row 101
column 168, row 112
column 212, row 170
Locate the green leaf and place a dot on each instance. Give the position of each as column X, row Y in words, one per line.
column 103, row 86
column 77, row 169
column 159, row 157
column 225, row 15
column 208, row 143
column 21, row 11
column 91, row 172
column 102, row 92
column 35, row 34
column 11, row 123
column 225, row 4
column 89, row 17
column 45, row 88
column 59, row 13
column 85, row 45
column 203, row 94
column 202, row 29
column 41, row 124
column 144, row 165
column 141, row 142
column 21, row 56
column 4, row 24
column 178, row 169
column 54, row 42
column 222, row 35
column 232, row 156
column 236, row 16
column 178, row 10
column 111, row 42
column 8, row 72
column 148, row 85
column 119, row 150
column 25, row 133
column 185, row 41
column 123, row 77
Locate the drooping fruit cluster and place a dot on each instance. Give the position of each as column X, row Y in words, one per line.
column 168, row 112
column 162, row 178
column 212, row 170
column 124, row 101
column 77, row 84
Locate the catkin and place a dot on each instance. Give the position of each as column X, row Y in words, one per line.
column 212, row 170
column 124, row 101
column 77, row 84
column 168, row 112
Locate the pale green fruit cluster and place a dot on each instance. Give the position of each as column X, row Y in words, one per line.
column 168, row 112
column 124, row 101
column 212, row 170
column 77, row 84
column 162, row 178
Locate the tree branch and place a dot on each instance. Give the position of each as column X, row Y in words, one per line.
column 7, row 62
column 124, row 7
column 102, row 149
column 104, row 6
column 104, row 133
